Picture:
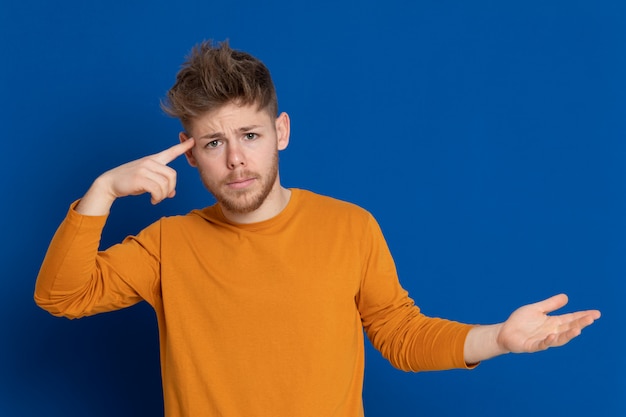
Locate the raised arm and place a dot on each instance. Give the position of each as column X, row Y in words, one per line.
column 529, row 329
column 71, row 280
column 146, row 175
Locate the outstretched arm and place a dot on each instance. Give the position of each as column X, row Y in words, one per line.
column 529, row 329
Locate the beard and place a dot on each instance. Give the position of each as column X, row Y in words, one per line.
column 244, row 201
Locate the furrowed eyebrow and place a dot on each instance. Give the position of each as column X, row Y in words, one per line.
column 215, row 135
column 248, row 128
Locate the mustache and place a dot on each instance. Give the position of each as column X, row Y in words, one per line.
column 240, row 175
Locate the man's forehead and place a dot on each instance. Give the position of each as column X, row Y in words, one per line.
column 230, row 117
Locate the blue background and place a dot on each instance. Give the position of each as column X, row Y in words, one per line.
column 487, row 137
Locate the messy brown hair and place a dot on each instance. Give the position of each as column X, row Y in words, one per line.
column 215, row 75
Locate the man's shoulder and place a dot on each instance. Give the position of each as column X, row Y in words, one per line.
column 327, row 204
column 199, row 215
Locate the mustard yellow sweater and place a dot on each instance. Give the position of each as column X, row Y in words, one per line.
column 260, row 319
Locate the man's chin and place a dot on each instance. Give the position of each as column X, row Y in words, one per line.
column 240, row 205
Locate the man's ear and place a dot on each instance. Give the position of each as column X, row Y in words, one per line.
column 282, row 130
column 189, row 154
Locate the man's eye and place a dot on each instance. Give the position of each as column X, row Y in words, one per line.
column 213, row 144
column 251, row 136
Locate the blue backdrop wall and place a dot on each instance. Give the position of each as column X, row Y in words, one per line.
column 487, row 137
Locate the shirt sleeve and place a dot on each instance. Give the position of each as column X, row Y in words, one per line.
column 396, row 327
column 76, row 279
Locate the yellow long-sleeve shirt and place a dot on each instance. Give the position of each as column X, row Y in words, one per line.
column 261, row 319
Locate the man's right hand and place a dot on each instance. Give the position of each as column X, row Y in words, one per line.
column 146, row 175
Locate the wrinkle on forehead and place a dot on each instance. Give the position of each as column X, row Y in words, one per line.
column 231, row 118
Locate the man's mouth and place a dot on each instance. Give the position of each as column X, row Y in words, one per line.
column 240, row 183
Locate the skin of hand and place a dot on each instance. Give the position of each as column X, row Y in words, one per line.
column 146, row 175
column 528, row 329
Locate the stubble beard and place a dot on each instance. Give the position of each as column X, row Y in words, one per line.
column 245, row 201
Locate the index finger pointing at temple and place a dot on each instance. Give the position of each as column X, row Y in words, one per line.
column 169, row 154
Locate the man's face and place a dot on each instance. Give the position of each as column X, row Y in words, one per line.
column 236, row 153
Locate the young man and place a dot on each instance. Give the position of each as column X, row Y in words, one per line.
column 262, row 298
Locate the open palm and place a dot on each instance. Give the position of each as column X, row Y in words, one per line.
column 531, row 329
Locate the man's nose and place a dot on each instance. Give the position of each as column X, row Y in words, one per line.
column 235, row 156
